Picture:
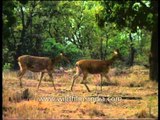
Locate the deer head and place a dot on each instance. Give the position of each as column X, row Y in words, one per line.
column 62, row 56
column 118, row 54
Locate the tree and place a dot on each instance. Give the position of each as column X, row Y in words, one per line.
column 79, row 28
column 9, row 19
column 133, row 14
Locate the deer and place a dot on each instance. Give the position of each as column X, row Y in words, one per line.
column 94, row 66
column 39, row 64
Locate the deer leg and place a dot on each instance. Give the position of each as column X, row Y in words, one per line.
column 20, row 75
column 78, row 73
column 74, row 78
column 101, row 80
column 84, row 82
column 51, row 77
column 21, row 72
column 106, row 76
column 41, row 76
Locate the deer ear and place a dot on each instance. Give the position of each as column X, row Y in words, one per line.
column 115, row 52
column 61, row 54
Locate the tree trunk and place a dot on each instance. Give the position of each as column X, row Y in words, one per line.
column 141, row 44
column 153, row 59
column 101, row 49
column 105, row 51
column 132, row 52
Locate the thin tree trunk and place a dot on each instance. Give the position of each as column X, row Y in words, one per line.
column 105, row 52
column 49, row 30
column 101, row 49
column 132, row 52
column 141, row 43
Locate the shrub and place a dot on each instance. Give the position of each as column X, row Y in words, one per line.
column 7, row 66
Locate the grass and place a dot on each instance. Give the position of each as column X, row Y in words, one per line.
column 23, row 102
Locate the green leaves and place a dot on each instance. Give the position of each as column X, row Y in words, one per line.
column 136, row 6
column 76, row 28
column 130, row 14
column 52, row 48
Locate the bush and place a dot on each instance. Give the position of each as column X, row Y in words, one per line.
column 73, row 52
column 51, row 48
column 7, row 66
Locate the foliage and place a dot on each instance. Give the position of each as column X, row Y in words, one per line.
column 52, row 48
column 80, row 29
column 136, row 15
column 7, row 66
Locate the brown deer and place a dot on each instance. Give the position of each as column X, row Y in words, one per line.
column 38, row 64
column 101, row 67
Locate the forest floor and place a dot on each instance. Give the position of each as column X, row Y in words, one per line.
column 29, row 103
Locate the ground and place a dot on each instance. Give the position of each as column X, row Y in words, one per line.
column 28, row 102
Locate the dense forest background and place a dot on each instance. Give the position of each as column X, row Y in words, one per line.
column 81, row 29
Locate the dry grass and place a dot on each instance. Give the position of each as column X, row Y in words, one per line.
column 24, row 103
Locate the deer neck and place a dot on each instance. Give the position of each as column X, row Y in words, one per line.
column 111, row 60
column 56, row 59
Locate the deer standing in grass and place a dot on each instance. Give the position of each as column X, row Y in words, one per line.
column 38, row 64
column 101, row 67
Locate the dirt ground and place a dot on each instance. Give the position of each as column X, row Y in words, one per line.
column 130, row 95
